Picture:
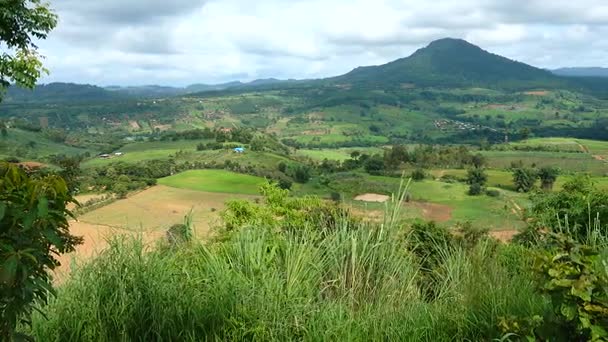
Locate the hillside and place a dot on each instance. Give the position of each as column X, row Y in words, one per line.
column 453, row 63
column 59, row 92
column 582, row 72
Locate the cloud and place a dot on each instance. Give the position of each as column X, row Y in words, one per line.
column 207, row 41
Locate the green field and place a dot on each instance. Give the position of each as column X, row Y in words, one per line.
column 569, row 162
column 149, row 150
column 340, row 154
column 215, row 181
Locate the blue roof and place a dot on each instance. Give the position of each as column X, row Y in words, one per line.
column 240, row 149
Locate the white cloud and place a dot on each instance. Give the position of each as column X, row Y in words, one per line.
column 188, row 41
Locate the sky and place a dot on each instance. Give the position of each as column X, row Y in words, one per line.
column 181, row 42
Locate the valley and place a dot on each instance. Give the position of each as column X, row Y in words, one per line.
column 454, row 159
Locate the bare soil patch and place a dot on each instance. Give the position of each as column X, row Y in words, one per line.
column 433, row 211
column 504, row 235
column 372, row 198
column 95, row 239
column 134, row 124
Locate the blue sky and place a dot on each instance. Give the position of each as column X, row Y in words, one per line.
column 179, row 42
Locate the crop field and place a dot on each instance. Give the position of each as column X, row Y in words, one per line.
column 569, row 162
column 433, row 199
column 215, row 181
column 158, row 208
column 340, row 154
column 560, row 144
column 149, row 150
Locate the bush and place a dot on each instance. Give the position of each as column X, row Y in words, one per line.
column 302, row 174
column 492, row 193
column 335, row 196
column 418, row 175
column 475, row 189
column 285, row 183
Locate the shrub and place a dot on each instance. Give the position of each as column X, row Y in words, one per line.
column 418, row 175
column 492, row 193
column 302, row 174
column 524, row 179
column 335, row 196
column 475, row 189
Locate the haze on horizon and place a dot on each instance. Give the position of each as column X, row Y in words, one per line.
column 180, row 42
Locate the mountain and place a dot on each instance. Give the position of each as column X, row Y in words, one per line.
column 452, row 63
column 59, row 92
column 582, row 72
column 197, row 88
column 147, row 90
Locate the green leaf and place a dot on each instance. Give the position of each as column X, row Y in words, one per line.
column 598, row 333
column 580, row 290
column 9, row 269
column 568, row 311
column 43, row 207
column 2, row 210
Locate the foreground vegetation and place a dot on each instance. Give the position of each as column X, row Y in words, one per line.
column 321, row 274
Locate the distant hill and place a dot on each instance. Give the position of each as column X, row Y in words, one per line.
column 452, row 63
column 159, row 91
column 582, row 72
column 147, row 90
column 59, row 92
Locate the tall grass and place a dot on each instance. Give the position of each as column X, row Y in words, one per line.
column 355, row 282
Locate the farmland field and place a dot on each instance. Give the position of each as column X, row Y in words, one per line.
column 338, row 153
column 215, row 181
column 572, row 162
column 160, row 207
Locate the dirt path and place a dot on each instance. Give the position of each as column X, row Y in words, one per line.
column 583, row 148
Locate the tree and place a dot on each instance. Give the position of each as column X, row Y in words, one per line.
column 22, row 21
column 548, row 176
column 3, row 130
column 524, row 179
column 302, row 174
column 374, row 165
column 70, row 170
column 33, row 224
column 121, row 190
column 476, row 178
column 33, row 230
column 418, row 175
column 478, row 160
column 258, row 143
column 282, row 167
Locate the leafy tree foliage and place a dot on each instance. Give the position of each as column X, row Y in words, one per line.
column 548, row 176
column 476, row 178
column 33, row 231
column 524, row 179
column 418, row 174
column 302, row 174
column 22, row 21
